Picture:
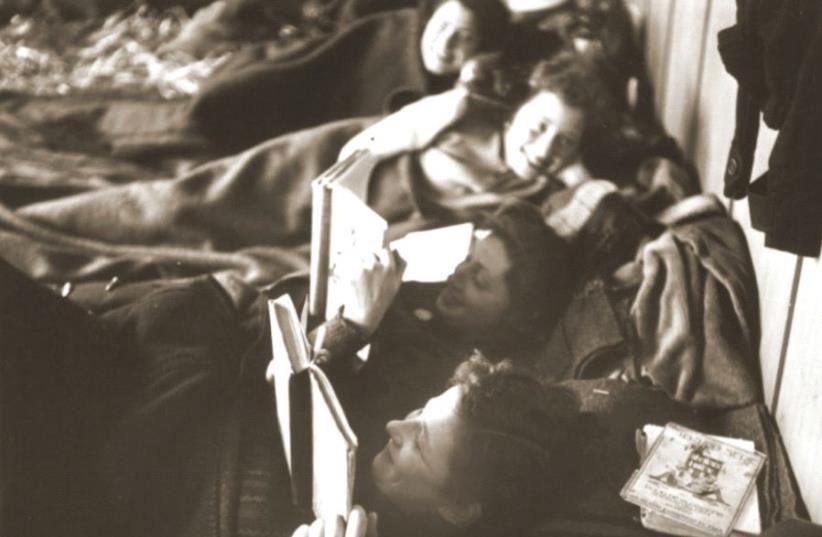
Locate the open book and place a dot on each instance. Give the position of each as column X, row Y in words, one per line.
column 345, row 231
column 311, row 419
column 695, row 484
column 343, row 228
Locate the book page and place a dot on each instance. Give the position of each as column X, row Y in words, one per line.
column 748, row 521
column 433, row 254
column 289, row 355
column 344, row 230
column 695, row 480
column 357, row 232
column 334, row 451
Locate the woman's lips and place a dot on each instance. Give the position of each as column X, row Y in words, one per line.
column 535, row 164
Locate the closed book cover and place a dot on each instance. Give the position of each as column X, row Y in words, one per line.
column 748, row 522
column 695, row 480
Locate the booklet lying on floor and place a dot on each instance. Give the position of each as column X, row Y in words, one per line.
column 320, row 447
column 695, row 480
column 748, row 521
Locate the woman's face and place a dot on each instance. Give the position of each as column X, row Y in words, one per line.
column 450, row 38
column 544, row 136
column 476, row 296
column 413, row 469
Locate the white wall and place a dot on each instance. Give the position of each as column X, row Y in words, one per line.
column 696, row 98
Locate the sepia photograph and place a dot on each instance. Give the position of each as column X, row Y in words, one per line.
column 410, row 268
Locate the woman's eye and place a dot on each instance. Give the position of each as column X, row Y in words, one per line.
column 538, row 129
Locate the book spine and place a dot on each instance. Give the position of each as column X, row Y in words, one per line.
column 320, row 250
column 337, row 412
column 302, row 466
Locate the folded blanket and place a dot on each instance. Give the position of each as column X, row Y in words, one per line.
column 696, row 312
column 683, row 313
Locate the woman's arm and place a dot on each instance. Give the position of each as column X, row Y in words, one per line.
column 372, row 291
column 412, row 127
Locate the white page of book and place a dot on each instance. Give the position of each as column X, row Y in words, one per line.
column 748, row 521
column 357, row 233
column 334, row 451
column 433, row 254
column 343, row 228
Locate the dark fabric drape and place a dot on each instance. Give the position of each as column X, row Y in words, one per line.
column 775, row 53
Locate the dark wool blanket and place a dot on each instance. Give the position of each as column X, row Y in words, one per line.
column 358, row 71
column 249, row 214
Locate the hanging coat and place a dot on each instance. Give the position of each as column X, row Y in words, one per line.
column 775, row 53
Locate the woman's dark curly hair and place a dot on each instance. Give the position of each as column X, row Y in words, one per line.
column 539, row 279
column 521, row 446
column 579, row 81
column 576, row 79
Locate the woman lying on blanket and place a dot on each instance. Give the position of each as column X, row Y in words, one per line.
column 378, row 62
column 503, row 299
column 551, row 122
column 483, row 458
column 472, row 151
column 605, row 420
column 384, row 58
column 156, row 419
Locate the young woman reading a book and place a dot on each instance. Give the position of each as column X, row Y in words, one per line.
column 140, row 405
column 153, row 421
column 154, row 417
column 503, row 299
column 485, row 457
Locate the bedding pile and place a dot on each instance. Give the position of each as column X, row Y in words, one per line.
column 122, row 54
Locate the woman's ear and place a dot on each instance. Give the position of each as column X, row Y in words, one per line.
column 461, row 515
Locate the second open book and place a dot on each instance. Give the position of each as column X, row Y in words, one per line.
column 320, row 447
